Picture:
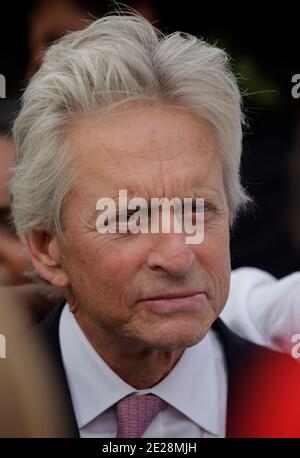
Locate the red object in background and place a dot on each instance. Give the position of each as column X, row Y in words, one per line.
column 266, row 403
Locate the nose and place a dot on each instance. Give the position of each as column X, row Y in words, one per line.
column 172, row 255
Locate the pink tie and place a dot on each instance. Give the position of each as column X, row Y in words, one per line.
column 136, row 412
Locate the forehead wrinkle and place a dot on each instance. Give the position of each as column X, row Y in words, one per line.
column 160, row 182
column 138, row 150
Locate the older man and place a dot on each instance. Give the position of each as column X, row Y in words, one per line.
column 119, row 106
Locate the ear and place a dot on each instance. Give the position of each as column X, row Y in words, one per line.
column 45, row 253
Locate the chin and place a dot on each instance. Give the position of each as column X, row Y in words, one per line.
column 177, row 337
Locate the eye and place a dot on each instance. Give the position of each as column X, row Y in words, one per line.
column 198, row 206
column 126, row 221
column 135, row 221
column 122, row 221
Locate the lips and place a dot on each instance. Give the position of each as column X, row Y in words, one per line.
column 174, row 295
column 176, row 302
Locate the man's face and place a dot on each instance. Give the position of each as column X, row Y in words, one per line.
column 151, row 151
column 12, row 261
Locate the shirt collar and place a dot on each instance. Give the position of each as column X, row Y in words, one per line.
column 95, row 387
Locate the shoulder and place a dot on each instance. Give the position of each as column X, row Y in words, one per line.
column 46, row 334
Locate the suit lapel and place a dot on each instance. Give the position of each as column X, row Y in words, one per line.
column 48, row 331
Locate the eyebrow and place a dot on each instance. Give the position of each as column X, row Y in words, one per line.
column 192, row 195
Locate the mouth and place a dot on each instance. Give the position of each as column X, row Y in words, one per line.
column 185, row 301
column 174, row 295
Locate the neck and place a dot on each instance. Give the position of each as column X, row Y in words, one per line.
column 137, row 365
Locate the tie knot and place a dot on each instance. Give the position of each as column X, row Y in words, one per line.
column 136, row 412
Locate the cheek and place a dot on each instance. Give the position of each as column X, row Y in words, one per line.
column 215, row 245
column 107, row 267
column 214, row 256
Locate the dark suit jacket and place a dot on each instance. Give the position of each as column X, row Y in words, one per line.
column 263, row 386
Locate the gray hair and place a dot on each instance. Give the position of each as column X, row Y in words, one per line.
column 117, row 58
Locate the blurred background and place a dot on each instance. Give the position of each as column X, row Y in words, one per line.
column 263, row 44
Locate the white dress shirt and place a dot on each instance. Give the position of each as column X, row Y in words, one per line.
column 195, row 389
column 264, row 310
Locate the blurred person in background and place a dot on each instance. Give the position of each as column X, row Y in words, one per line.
column 52, row 19
column 28, row 387
column 16, row 287
column 31, row 401
column 12, row 260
